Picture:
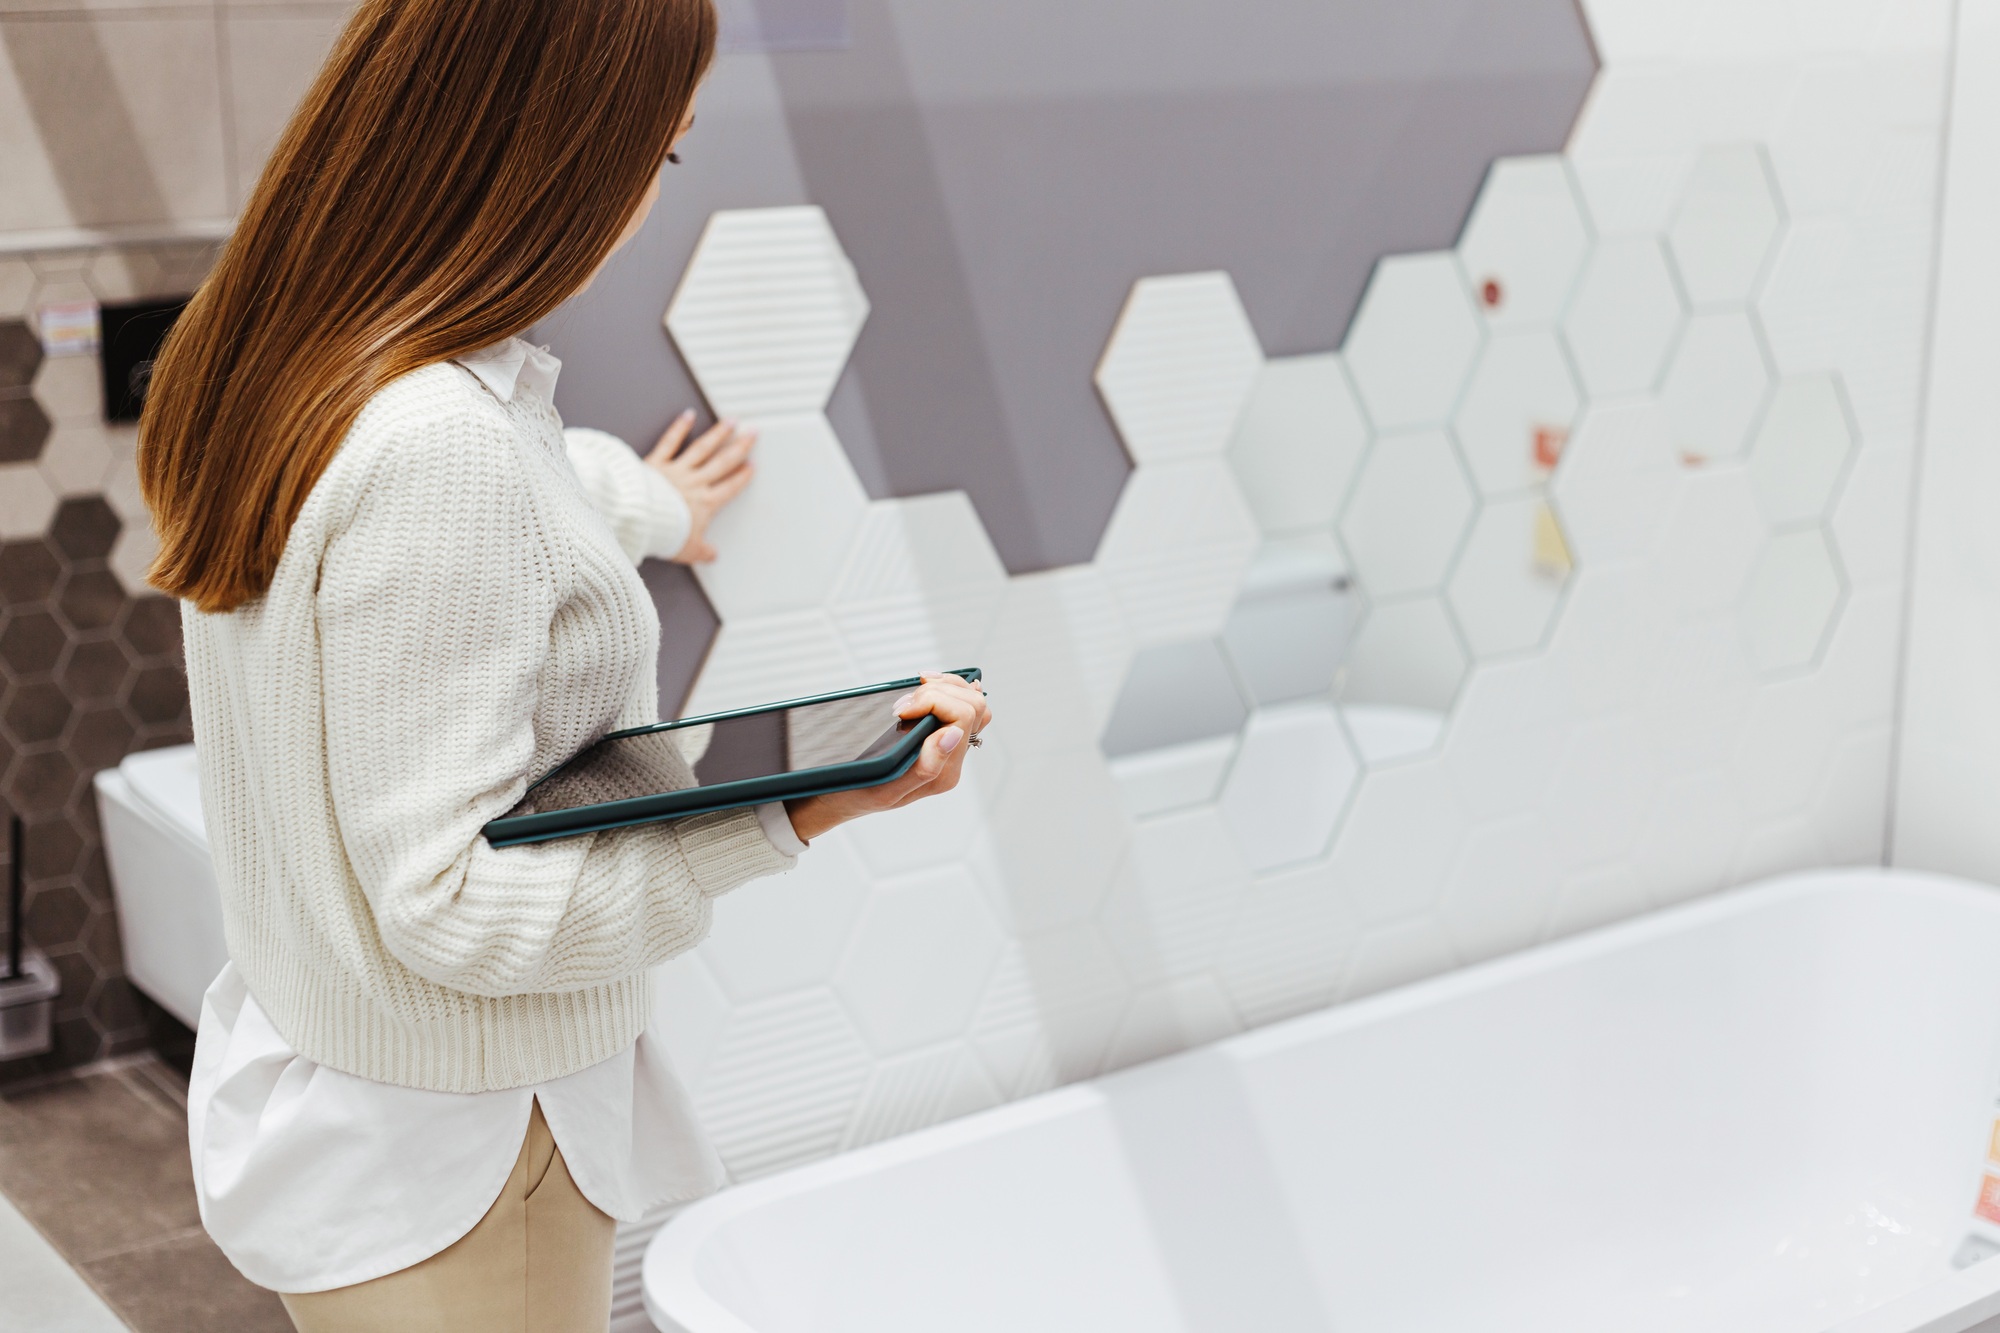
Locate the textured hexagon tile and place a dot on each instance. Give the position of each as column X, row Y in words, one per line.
column 1179, row 366
column 1525, row 242
column 768, row 311
column 1727, row 225
column 1413, row 341
column 1298, row 442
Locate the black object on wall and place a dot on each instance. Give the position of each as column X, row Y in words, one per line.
column 132, row 332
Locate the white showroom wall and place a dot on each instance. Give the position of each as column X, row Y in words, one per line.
column 1948, row 777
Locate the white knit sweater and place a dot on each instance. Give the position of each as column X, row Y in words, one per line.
column 451, row 617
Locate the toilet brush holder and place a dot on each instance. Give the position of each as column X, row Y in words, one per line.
column 28, row 983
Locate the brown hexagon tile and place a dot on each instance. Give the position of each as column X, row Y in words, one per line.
column 73, row 971
column 99, row 738
column 94, row 877
column 91, row 597
column 52, row 847
column 78, row 1042
column 112, row 1005
column 152, row 626
column 94, row 670
column 102, row 941
column 42, row 783
column 57, row 915
column 24, row 429
column 84, row 528
column 31, row 643
column 157, row 695
column 29, row 572
column 34, row 712
column 20, row 355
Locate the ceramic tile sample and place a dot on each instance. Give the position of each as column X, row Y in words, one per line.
column 1299, row 439
column 1801, row 450
column 1716, row 386
column 1179, row 366
column 1407, row 514
column 783, row 541
column 1525, row 242
column 1289, row 785
column 767, row 312
column 1519, row 408
column 1413, row 341
column 1793, row 598
column 1624, row 317
column 1727, row 225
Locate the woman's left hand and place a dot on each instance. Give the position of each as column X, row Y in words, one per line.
column 960, row 706
column 708, row 473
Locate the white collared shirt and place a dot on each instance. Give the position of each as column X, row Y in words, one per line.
column 310, row 1179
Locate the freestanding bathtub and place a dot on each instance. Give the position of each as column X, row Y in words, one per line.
column 1761, row 1113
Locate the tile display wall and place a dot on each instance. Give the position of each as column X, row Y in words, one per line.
column 1713, row 301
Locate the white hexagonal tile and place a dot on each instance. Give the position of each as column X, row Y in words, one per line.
column 1179, row 366
column 767, row 311
column 1167, row 916
column 783, row 541
column 1289, row 785
column 1175, row 694
column 26, row 501
column 783, row 1082
column 919, row 960
column 1176, row 548
column 1619, row 482
column 70, row 389
column 771, row 657
column 1624, row 317
column 1726, row 225
column 132, row 555
column 920, row 588
column 1525, row 241
column 924, row 834
column 1596, row 898
column 1500, row 892
column 1793, row 598
column 1406, row 653
column 1288, row 634
column 1801, row 450
column 1407, row 514
column 76, row 458
column 1298, row 442
column 1519, row 409
column 1692, row 828
column 1059, row 835
column 1505, row 590
column 1397, row 954
column 1716, row 386
column 1604, row 788
column 689, row 1011
column 786, row 932
column 1097, row 639
column 1289, row 945
column 1039, row 672
column 922, row 1089
column 1177, row 1016
column 1175, row 777
column 1050, row 1009
column 1714, row 540
column 1384, row 732
column 1401, row 841
column 1413, row 341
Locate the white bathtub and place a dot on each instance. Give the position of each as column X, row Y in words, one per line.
column 1762, row 1113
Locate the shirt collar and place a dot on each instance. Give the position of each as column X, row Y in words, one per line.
column 512, row 363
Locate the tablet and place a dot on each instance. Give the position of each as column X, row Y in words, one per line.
column 724, row 761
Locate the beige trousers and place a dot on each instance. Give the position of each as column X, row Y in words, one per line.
column 538, row 1262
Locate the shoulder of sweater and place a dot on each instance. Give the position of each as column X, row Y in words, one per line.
column 437, row 416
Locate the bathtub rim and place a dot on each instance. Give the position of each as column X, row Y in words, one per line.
column 1959, row 1302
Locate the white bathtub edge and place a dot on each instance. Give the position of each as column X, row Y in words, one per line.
column 1959, row 1303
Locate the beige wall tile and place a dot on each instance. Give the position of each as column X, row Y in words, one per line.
column 113, row 119
column 17, row 286
column 272, row 56
column 26, row 502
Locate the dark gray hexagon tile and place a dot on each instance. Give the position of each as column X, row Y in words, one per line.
column 24, row 429
column 151, row 626
column 100, row 737
column 53, row 845
column 157, row 695
column 56, row 915
column 29, row 572
column 94, row 670
column 20, row 355
column 84, row 528
column 42, row 783
column 34, row 712
column 91, row 597
column 31, row 643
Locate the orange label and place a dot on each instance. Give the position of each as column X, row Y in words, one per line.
column 1993, row 1144
column 1989, row 1199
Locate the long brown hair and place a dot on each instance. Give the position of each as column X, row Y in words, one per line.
column 458, row 169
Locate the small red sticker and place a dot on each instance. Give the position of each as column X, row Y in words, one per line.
column 1549, row 442
column 1988, row 1206
column 1490, row 293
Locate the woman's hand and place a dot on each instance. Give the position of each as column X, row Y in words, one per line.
column 960, row 706
column 708, row 473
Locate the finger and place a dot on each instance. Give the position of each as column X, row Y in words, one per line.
column 710, row 440
column 960, row 706
column 670, row 443
column 727, row 458
column 731, row 486
column 696, row 552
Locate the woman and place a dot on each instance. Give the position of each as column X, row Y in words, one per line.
column 423, row 1092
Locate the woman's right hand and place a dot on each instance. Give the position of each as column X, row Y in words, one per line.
column 961, row 706
column 708, row 473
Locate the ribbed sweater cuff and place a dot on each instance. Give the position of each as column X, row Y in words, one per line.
column 728, row 849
